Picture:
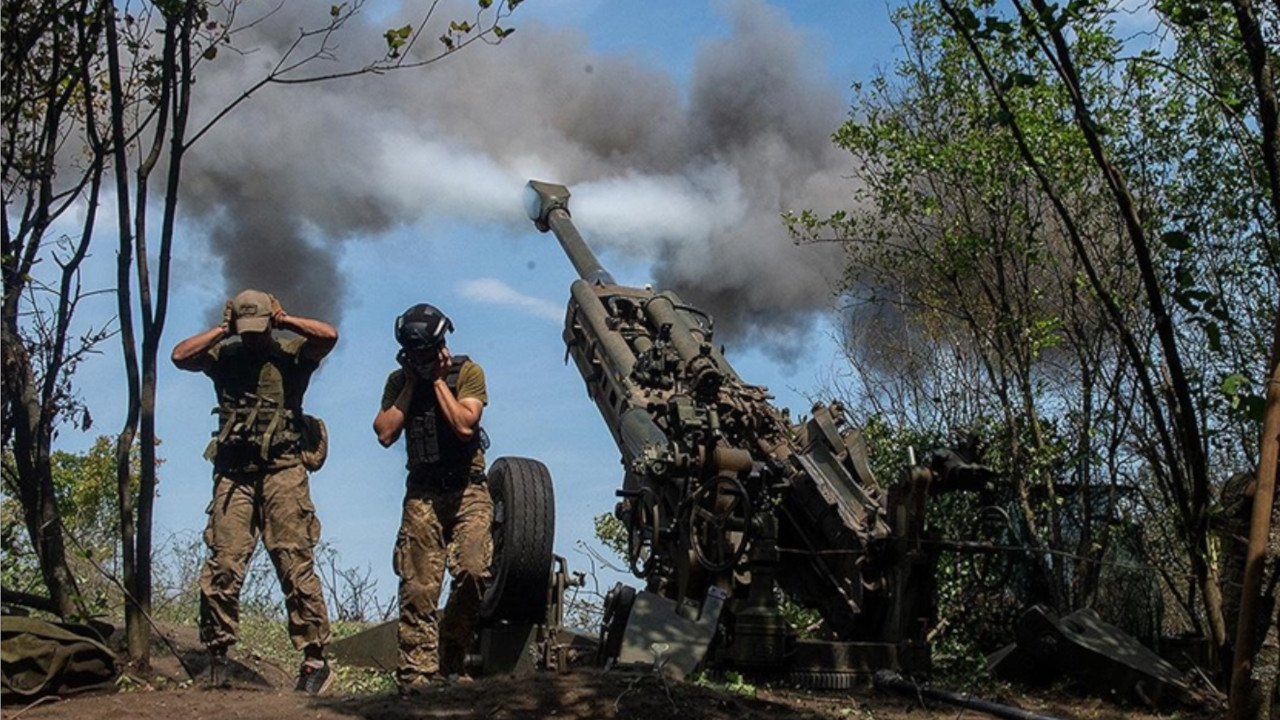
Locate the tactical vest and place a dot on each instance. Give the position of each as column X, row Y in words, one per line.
column 260, row 429
column 434, row 449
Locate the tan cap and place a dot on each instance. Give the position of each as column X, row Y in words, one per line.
column 251, row 310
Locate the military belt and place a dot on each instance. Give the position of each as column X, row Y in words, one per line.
column 436, row 478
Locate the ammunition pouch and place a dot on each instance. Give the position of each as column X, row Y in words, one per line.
column 422, row 440
column 314, row 443
column 252, row 434
column 430, row 455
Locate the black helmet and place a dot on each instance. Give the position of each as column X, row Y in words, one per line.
column 422, row 327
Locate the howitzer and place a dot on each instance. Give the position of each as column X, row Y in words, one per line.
column 725, row 501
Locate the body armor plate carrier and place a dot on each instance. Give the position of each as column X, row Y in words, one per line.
column 433, row 448
column 253, row 433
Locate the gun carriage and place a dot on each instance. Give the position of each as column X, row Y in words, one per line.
column 726, row 501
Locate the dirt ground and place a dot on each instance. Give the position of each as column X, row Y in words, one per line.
column 262, row 690
column 577, row 695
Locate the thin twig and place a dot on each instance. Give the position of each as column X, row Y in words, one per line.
column 129, row 597
column 41, row 701
column 631, row 686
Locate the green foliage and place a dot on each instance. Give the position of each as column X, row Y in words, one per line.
column 263, row 635
column 396, row 39
column 729, row 681
column 362, row 681
column 805, row 621
column 1243, row 398
column 87, row 494
column 85, row 488
column 19, row 568
column 611, row 533
column 993, row 286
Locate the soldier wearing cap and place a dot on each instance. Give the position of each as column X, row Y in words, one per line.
column 260, row 482
column 435, row 399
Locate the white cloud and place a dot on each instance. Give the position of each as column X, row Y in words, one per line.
column 496, row 292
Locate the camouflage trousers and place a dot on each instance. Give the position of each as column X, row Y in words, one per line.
column 274, row 505
column 441, row 529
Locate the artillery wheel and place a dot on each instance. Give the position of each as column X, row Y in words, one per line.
column 524, row 528
column 719, row 506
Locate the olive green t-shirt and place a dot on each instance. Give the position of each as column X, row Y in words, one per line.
column 470, row 385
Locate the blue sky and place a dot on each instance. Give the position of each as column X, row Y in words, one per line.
column 414, row 196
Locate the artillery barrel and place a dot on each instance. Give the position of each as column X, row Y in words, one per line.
column 548, row 207
column 584, row 261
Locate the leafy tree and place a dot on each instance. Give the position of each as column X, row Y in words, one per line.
column 1038, row 246
column 85, row 487
column 965, row 298
column 51, row 54
column 1179, row 457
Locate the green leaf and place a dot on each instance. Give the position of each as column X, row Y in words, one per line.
column 1215, row 336
column 1185, row 301
column 484, row 4
column 1231, row 384
column 1177, row 239
column 1253, row 407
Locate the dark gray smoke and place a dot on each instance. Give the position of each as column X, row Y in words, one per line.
column 695, row 184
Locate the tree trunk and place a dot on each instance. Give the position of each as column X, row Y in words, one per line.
column 137, row 634
column 1253, row 676
column 30, row 438
column 1251, row 692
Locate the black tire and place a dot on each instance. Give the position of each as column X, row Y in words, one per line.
column 524, row 529
column 825, row 680
column 613, row 623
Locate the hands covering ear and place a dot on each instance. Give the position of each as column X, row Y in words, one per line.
column 277, row 311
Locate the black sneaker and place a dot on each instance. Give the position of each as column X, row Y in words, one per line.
column 314, row 679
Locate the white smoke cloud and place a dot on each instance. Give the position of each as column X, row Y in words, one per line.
column 495, row 292
column 638, row 213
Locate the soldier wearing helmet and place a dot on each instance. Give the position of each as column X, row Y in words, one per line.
column 435, row 399
column 260, row 483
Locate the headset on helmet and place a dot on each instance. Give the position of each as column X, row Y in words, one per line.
column 422, row 327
